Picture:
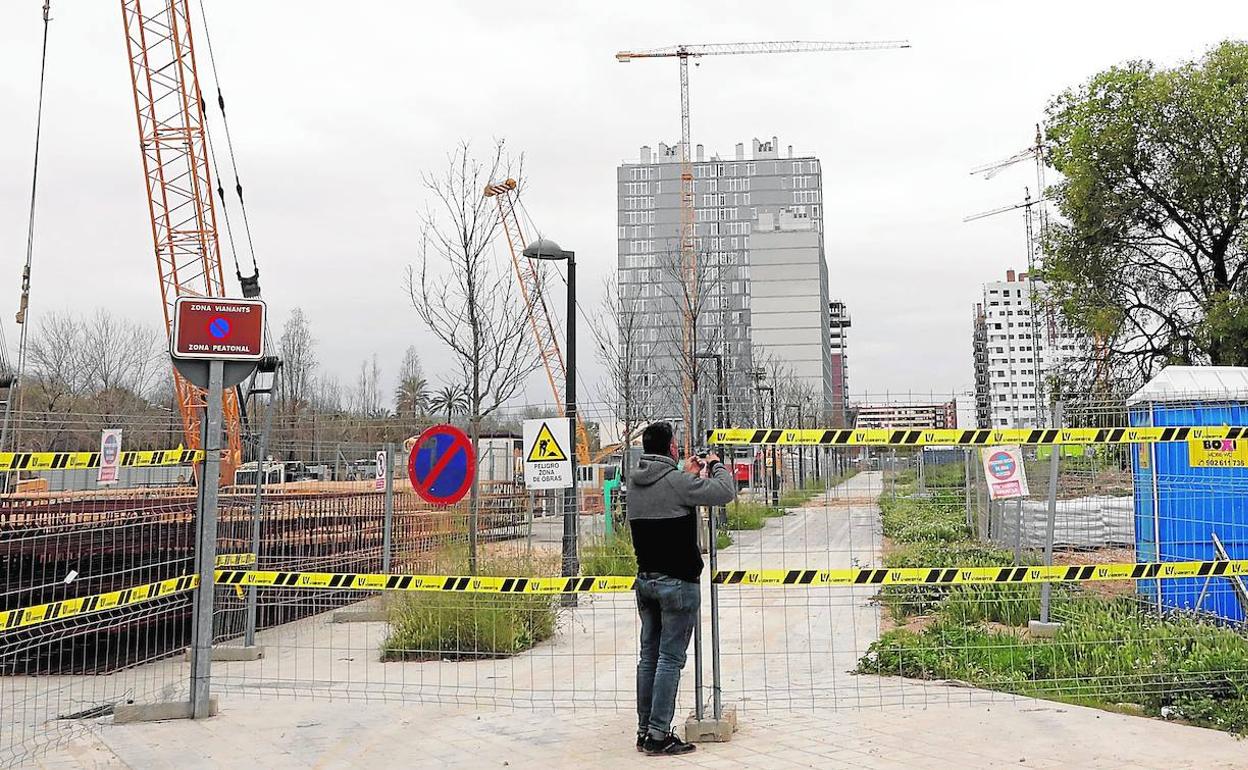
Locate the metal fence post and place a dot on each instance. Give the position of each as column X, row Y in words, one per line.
column 387, row 532
column 717, row 708
column 698, row 710
column 1054, row 461
column 257, row 507
column 206, row 547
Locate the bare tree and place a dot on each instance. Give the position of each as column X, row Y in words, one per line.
column 694, row 291
column 117, row 354
column 53, row 355
column 618, row 332
column 366, row 399
column 411, row 395
column 297, row 348
column 463, row 297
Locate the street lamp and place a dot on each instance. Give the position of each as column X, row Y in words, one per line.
column 544, row 248
column 801, row 455
column 775, row 481
column 719, row 384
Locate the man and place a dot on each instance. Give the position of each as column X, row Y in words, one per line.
column 662, row 513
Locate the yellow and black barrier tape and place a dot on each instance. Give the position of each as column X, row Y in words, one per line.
column 596, row 584
column 976, row 437
column 1074, row 573
column 82, row 605
column 24, row 617
column 453, row 583
column 55, row 461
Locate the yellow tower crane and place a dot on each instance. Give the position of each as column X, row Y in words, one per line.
column 683, row 53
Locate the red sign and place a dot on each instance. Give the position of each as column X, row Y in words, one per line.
column 218, row 328
column 442, row 465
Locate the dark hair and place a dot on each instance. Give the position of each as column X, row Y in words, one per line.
column 656, row 439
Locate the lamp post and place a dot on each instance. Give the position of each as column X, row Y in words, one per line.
column 775, row 481
column 801, row 455
column 544, row 248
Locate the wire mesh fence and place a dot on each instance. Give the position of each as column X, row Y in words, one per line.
column 1162, row 645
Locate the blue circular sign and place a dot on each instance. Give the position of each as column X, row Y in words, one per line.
column 1002, row 465
column 219, row 328
column 441, row 463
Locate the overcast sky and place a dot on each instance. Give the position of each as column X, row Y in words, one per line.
column 336, row 109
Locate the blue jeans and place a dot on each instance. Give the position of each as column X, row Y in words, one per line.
column 668, row 608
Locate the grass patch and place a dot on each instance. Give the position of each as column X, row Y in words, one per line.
column 610, row 556
column 750, row 515
column 1109, row 652
column 723, row 539
column 466, row 626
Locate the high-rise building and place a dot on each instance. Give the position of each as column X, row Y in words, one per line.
column 788, row 295
column 1018, row 352
column 838, row 342
column 729, row 196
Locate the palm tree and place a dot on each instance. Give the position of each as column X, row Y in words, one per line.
column 452, row 399
column 411, row 397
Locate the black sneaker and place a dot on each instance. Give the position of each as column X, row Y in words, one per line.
column 668, row 744
column 641, row 739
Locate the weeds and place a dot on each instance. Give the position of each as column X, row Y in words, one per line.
column 448, row 625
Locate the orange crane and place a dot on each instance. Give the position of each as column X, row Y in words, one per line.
column 688, row 255
column 530, row 278
column 176, row 167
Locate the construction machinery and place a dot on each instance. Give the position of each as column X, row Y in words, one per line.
column 530, row 279
column 688, row 254
column 174, row 147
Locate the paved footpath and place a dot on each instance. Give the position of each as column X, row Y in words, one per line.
column 787, row 656
column 339, row 734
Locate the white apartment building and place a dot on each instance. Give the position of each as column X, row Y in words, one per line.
column 1018, row 352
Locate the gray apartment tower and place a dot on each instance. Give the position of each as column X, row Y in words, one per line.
column 729, row 195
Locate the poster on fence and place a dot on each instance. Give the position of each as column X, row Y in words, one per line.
column 379, row 482
column 110, row 456
column 1217, row 453
column 1003, row 468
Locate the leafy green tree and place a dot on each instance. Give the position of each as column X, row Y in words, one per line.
column 1150, row 256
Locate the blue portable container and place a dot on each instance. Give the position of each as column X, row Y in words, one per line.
column 1178, row 508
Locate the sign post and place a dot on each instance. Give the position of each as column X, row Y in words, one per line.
column 217, row 344
column 206, row 547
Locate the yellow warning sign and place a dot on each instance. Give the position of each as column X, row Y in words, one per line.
column 545, row 448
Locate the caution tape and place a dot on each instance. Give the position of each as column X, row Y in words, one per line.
column 595, row 584
column 111, row 600
column 1076, row 573
column 955, row 437
column 67, row 608
column 452, row 583
column 235, row 559
column 55, row 461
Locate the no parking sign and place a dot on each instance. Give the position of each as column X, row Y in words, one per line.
column 1003, row 468
column 442, row 465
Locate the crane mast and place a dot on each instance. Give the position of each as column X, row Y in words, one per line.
column 529, row 277
column 687, row 235
column 176, row 169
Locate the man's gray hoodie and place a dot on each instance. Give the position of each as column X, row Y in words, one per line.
column 662, row 501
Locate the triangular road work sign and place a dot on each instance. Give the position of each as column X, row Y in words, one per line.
column 545, row 448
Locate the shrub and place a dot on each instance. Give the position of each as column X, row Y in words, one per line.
column 437, row 624
column 610, row 556
column 1107, row 652
column 746, row 515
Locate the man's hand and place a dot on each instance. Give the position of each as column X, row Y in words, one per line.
column 711, row 457
column 693, row 464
